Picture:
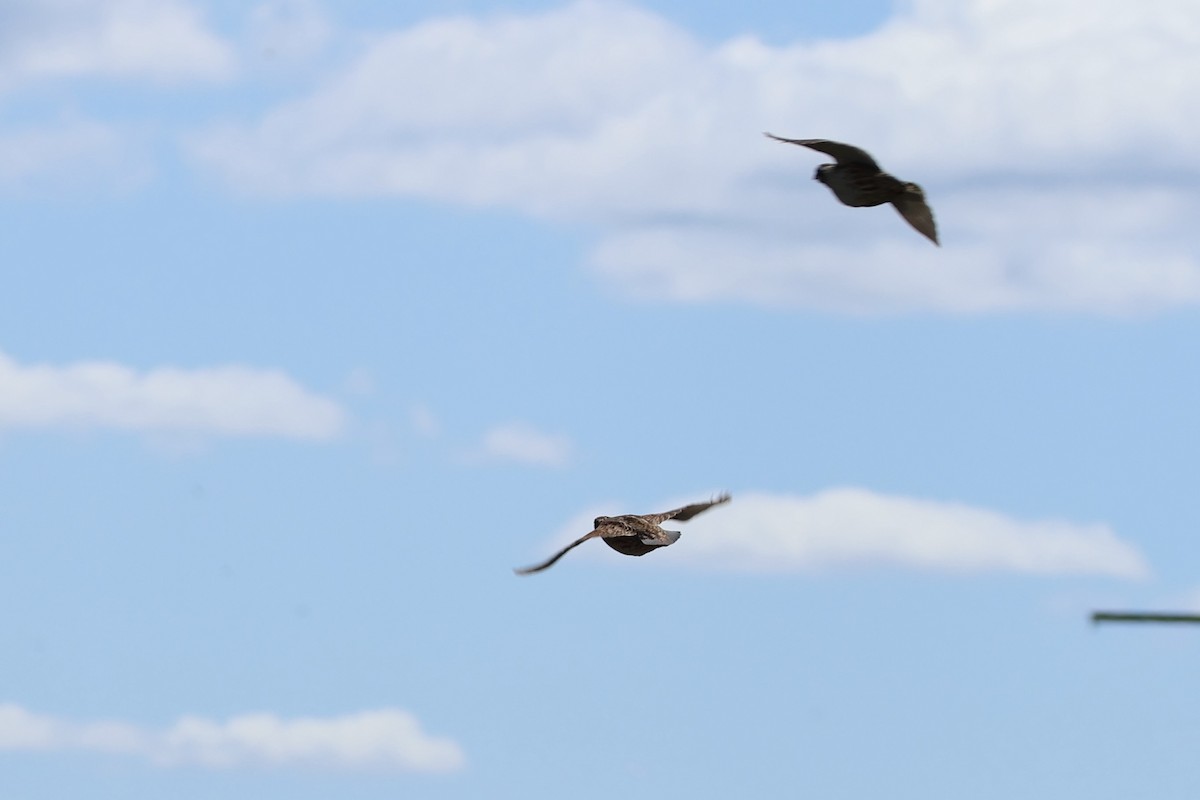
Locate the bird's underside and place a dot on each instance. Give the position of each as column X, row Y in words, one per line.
column 638, row 545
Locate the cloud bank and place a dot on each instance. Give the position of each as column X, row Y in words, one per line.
column 226, row 401
column 1054, row 140
column 386, row 739
column 848, row 527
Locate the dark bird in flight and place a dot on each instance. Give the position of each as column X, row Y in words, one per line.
column 632, row 534
column 858, row 181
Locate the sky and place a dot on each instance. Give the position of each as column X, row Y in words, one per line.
column 318, row 319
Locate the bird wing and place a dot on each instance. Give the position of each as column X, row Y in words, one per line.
column 916, row 211
column 687, row 512
column 557, row 556
column 844, row 153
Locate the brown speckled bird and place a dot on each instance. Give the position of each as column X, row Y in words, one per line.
column 632, row 534
column 858, row 181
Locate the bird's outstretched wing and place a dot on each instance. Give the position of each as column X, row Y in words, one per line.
column 916, row 211
column 843, row 153
column 548, row 562
column 685, row 513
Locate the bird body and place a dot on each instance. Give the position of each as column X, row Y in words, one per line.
column 636, row 536
column 859, row 186
column 856, row 180
column 632, row 534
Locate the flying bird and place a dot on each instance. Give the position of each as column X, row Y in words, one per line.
column 858, row 181
column 632, row 534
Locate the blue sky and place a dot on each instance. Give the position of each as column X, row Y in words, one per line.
column 319, row 320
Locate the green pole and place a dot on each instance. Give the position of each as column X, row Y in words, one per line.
column 1142, row 616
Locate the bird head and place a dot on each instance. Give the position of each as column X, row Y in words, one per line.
column 599, row 521
column 822, row 171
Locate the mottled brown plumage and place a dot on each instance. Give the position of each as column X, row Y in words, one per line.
column 856, row 180
column 632, row 534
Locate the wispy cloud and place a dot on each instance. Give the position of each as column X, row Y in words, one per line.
column 288, row 31
column 522, row 443
column 158, row 40
column 226, row 400
column 1097, row 251
column 74, row 43
column 847, row 527
column 70, row 152
column 385, row 739
column 1051, row 195
column 423, row 421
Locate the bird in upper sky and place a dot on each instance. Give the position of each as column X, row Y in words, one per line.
column 858, row 181
column 632, row 534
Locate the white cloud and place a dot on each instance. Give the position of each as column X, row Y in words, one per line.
column 524, row 444
column 70, row 152
column 524, row 111
column 847, row 527
column 161, row 40
column 227, row 400
column 1047, row 149
column 289, row 31
column 386, row 739
column 424, row 421
column 1117, row 250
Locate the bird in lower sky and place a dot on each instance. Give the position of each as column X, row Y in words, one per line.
column 857, row 180
column 632, row 534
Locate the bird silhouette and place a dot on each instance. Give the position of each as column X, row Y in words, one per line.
column 632, row 534
column 857, row 181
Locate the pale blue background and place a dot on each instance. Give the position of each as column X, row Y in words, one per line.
column 142, row 581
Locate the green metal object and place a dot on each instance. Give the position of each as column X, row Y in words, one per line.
column 1142, row 616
